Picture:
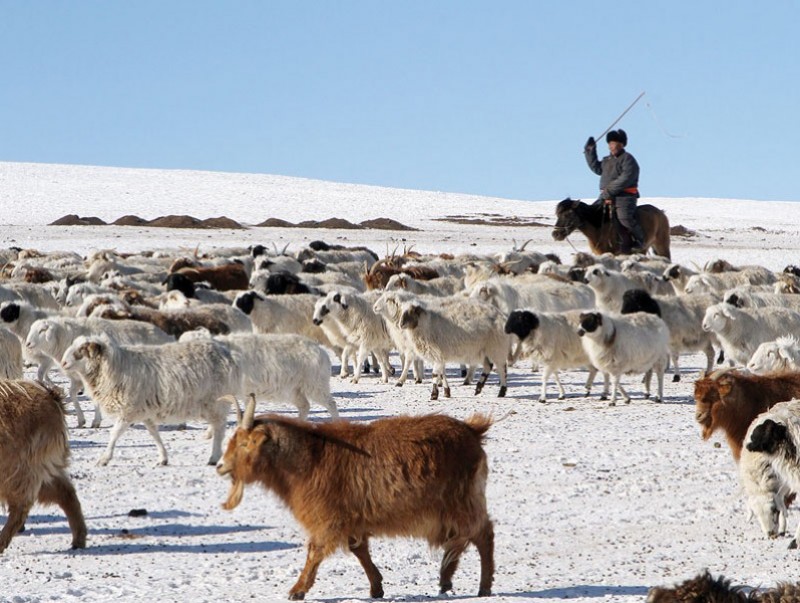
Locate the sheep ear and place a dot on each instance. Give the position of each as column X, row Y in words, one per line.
column 343, row 301
column 93, row 349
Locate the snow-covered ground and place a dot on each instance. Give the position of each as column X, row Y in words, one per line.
column 589, row 502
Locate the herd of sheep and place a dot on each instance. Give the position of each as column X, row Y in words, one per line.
column 155, row 338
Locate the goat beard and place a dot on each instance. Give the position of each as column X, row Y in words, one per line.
column 234, row 495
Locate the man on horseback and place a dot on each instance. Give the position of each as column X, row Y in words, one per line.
column 619, row 182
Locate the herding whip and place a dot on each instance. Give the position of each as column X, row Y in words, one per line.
column 608, row 129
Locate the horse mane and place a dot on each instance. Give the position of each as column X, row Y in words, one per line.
column 592, row 214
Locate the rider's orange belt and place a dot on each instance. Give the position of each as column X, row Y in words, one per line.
column 631, row 189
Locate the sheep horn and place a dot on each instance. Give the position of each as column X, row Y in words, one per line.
column 249, row 413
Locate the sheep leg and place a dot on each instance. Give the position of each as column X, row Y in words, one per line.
column 98, row 416
column 561, row 393
column 17, row 514
column 502, row 372
column 660, row 380
column 330, row 404
column 375, row 363
column 590, row 380
column 152, row 429
column 361, row 550
column 487, row 368
column 709, row 358
column 61, row 492
column 74, row 387
column 347, row 351
column 614, row 388
column 386, row 367
column 302, row 404
column 646, row 379
column 445, row 383
column 404, row 371
column 452, row 555
column 117, row 430
column 362, row 355
column 467, row 372
column 45, row 363
column 419, row 370
column 676, row 371
column 316, row 554
column 543, row 388
column 484, row 542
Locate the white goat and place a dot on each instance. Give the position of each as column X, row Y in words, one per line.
column 363, row 328
column 48, row 338
column 389, row 306
column 35, row 295
column 280, row 367
column 743, row 297
column 470, row 332
column 552, row 340
column 169, row 383
column 741, row 331
column 633, row 343
column 776, row 357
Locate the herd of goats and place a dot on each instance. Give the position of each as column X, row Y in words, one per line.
column 159, row 338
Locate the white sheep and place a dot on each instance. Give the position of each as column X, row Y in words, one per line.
column 776, row 357
column 609, row 286
column 440, row 287
column 35, row 295
column 543, row 293
column 776, row 434
column 10, row 355
column 169, row 383
column 283, row 314
column 18, row 316
column 363, row 328
column 684, row 316
column 389, row 306
column 280, row 367
column 745, row 297
column 552, row 340
column 677, row 276
column 716, row 283
column 48, row 338
column 633, row 343
column 741, row 331
column 765, row 492
column 467, row 331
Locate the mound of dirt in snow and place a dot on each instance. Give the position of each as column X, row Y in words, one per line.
column 339, row 223
column 276, row 223
column 75, row 220
column 130, row 220
column 385, row 224
column 681, row 231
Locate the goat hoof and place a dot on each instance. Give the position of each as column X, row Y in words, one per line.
column 628, row 400
column 502, row 392
column 676, row 378
column 444, row 587
column 299, row 596
column 561, row 397
column 377, row 593
column 398, row 384
column 485, row 592
column 542, row 400
column 604, row 396
column 446, row 392
column 612, row 403
column 434, row 395
column 793, row 544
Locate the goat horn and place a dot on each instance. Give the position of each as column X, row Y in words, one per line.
column 285, row 247
column 720, row 372
column 524, row 245
column 196, row 251
column 249, row 413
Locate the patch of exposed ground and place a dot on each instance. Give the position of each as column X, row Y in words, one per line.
column 493, row 220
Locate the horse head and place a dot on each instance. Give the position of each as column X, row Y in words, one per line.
column 567, row 219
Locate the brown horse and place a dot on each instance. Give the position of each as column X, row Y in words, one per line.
column 595, row 222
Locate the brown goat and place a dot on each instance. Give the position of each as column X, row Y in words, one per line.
column 35, row 452
column 344, row 482
column 382, row 270
column 172, row 323
column 731, row 400
column 704, row 588
column 222, row 278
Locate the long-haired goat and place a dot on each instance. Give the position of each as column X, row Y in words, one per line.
column 730, row 400
column 34, row 447
column 704, row 588
column 422, row 477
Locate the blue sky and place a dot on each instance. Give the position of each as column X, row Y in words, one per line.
column 491, row 98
